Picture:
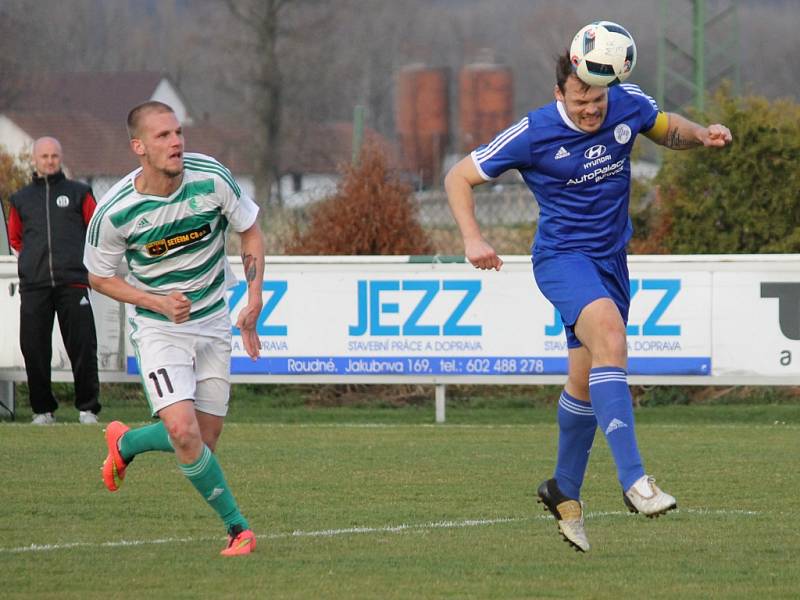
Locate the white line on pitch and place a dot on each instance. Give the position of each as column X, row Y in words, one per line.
column 349, row 530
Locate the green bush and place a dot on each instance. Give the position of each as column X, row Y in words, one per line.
column 743, row 199
column 661, row 396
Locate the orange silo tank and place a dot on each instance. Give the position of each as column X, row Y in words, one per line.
column 422, row 119
column 486, row 103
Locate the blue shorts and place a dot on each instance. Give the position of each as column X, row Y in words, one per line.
column 571, row 281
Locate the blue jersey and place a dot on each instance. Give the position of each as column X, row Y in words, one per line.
column 580, row 180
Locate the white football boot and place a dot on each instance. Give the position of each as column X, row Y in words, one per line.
column 647, row 498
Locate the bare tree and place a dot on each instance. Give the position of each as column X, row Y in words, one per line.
column 267, row 65
column 99, row 35
column 11, row 41
column 260, row 20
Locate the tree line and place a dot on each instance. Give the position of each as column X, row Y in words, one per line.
column 268, row 65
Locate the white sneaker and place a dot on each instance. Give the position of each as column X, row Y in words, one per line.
column 43, row 419
column 87, row 417
column 647, row 498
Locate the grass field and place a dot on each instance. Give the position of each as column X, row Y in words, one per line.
column 380, row 503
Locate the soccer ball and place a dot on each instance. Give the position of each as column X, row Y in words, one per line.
column 603, row 54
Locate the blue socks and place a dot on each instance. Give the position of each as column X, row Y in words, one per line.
column 613, row 407
column 576, row 427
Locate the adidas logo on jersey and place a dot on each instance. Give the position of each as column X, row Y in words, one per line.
column 143, row 222
column 562, row 153
column 614, row 425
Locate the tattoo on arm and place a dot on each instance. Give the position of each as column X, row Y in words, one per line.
column 249, row 263
column 675, row 141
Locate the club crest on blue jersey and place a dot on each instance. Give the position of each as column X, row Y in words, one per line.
column 622, row 133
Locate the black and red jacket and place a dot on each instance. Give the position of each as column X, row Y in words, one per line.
column 47, row 227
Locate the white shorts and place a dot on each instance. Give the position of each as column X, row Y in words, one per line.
column 190, row 361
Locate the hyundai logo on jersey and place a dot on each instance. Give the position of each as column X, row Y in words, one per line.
column 595, row 151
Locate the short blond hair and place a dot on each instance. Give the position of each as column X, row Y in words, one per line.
column 138, row 112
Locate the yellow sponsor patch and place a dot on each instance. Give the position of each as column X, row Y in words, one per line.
column 159, row 247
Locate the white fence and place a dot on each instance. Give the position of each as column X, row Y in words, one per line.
column 704, row 320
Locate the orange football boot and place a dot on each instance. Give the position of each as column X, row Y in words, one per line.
column 114, row 466
column 239, row 542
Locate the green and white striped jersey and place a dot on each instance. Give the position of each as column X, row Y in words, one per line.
column 174, row 243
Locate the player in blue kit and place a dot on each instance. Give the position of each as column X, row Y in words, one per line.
column 574, row 155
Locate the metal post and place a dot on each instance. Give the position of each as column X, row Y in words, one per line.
column 690, row 66
column 737, row 83
column 441, row 390
column 8, row 398
column 358, row 132
column 699, row 54
column 661, row 66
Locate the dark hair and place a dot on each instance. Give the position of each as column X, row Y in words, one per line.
column 137, row 112
column 565, row 70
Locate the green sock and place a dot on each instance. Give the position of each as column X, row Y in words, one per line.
column 207, row 478
column 145, row 439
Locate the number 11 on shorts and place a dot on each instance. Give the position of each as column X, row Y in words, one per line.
column 154, row 376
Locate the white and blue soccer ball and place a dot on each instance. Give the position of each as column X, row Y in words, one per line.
column 603, row 54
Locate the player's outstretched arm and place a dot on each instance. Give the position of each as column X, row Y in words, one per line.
column 680, row 134
column 175, row 306
column 459, row 183
column 253, row 263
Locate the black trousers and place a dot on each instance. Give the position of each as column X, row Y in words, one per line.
column 76, row 321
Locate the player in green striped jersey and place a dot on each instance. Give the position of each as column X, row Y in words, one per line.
column 168, row 220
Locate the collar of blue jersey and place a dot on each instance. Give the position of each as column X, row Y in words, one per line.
column 565, row 117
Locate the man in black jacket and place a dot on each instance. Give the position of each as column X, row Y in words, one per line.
column 47, row 230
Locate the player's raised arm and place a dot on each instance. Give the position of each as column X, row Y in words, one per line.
column 679, row 133
column 253, row 264
column 459, row 183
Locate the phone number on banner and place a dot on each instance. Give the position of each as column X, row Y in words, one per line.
column 400, row 365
